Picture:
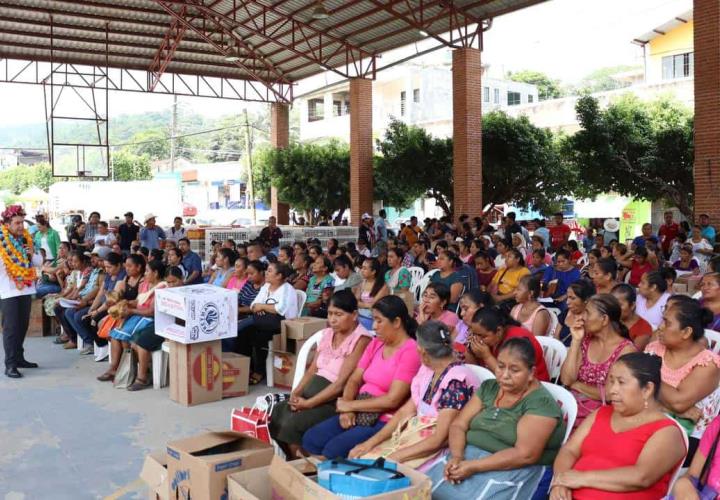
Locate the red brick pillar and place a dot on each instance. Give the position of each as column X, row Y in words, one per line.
column 279, row 138
column 707, row 108
column 361, row 149
column 467, row 132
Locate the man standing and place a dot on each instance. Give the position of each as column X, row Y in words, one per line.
column 667, row 233
column 151, row 234
column 707, row 231
column 511, row 227
column 366, row 233
column 411, row 232
column 271, row 235
column 646, row 236
column 559, row 233
column 177, row 231
column 18, row 261
column 191, row 262
column 381, row 226
column 128, row 233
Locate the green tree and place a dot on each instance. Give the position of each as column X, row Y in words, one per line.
column 127, row 166
column 547, row 87
column 313, row 178
column 18, row 179
column 638, row 149
column 153, row 143
column 604, row 79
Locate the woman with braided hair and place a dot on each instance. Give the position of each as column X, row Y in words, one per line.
column 18, row 273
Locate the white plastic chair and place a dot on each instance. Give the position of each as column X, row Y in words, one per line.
column 554, row 353
column 713, row 339
column 422, row 284
column 680, row 471
column 480, row 372
column 161, row 366
column 302, row 357
column 417, row 274
column 697, row 295
column 301, row 299
column 567, row 403
column 554, row 321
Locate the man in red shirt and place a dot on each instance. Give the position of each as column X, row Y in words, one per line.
column 559, row 233
column 667, row 233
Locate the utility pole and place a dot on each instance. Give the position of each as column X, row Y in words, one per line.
column 173, row 133
column 248, row 156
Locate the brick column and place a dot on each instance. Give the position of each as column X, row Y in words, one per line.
column 279, row 138
column 467, row 132
column 361, row 149
column 707, row 108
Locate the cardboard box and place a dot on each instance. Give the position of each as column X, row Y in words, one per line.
column 235, row 375
column 196, row 373
column 198, row 466
column 155, row 475
column 254, row 484
column 301, row 328
column 288, row 483
column 284, row 362
column 196, row 313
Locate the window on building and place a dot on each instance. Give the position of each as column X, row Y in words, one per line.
column 416, row 95
column 341, row 104
column 531, row 98
column 496, row 96
column 403, row 97
column 316, row 109
column 678, row 66
column 513, row 98
column 486, row 94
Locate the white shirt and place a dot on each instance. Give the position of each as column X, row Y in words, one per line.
column 284, row 299
column 654, row 314
column 175, row 234
column 7, row 285
column 44, row 245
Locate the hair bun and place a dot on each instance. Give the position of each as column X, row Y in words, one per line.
column 706, row 316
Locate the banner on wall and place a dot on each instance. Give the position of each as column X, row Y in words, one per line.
column 634, row 215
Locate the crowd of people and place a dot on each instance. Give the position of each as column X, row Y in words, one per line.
column 392, row 375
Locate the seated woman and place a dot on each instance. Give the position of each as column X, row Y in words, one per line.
column 704, row 471
column 710, row 288
column 320, row 287
column 507, row 278
column 470, row 302
column 337, row 356
column 376, row 389
column 301, row 271
column 518, row 242
column 640, row 266
column 577, row 296
column 484, row 269
column 502, row 249
column 604, row 275
column 557, row 279
column 441, row 388
column 286, row 255
column 126, row 290
column 145, row 341
column 397, row 278
column 276, row 301
column 447, row 265
column 432, row 306
column 224, row 267
column 652, row 297
column 174, row 259
column 529, row 312
column 239, row 276
column 690, row 372
column 491, row 327
column 598, row 338
column 505, row 437
column 51, row 275
column 686, row 262
column 371, row 289
column 628, row 449
column 592, row 257
column 255, row 280
column 640, row 330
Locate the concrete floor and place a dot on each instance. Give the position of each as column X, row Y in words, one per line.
column 64, row 435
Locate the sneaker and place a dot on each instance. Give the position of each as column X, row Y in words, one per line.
column 87, row 350
column 101, row 353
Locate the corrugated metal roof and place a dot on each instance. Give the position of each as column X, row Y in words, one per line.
column 661, row 30
column 279, row 40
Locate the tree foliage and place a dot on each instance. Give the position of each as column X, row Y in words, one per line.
column 604, row 79
column 643, row 150
column 313, row 178
column 20, row 178
column 547, row 87
column 127, row 166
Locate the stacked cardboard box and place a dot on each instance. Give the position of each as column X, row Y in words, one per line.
column 293, row 334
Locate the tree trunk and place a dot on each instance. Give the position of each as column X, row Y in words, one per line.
column 338, row 220
column 440, row 200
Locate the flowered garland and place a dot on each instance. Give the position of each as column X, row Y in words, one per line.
column 16, row 258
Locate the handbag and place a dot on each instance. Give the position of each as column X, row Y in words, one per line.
column 361, row 478
column 127, row 370
column 366, row 418
column 106, row 325
column 411, row 431
column 253, row 421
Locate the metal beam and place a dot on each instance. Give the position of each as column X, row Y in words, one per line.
column 167, row 49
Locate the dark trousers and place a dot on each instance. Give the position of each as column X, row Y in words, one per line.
column 15, row 321
column 60, row 313
column 253, row 340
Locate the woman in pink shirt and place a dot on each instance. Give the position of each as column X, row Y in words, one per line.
column 239, row 276
column 434, row 299
column 704, row 472
column 338, row 353
column 377, row 388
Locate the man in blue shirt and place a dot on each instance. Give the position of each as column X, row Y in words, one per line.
column 644, row 237
column 381, row 226
column 151, row 234
column 707, row 231
column 564, row 273
column 191, row 262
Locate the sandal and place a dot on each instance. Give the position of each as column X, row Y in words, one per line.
column 61, row 339
column 139, row 385
column 106, row 377
column 256, row 378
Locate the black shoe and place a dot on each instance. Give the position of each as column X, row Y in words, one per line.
column 27, row 364
column 13, row 373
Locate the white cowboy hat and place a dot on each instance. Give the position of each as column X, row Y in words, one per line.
column 149, row 216
column 611, row 225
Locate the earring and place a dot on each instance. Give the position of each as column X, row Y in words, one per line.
column 646, row 404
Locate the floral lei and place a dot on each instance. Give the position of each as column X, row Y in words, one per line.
column 17, row 261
